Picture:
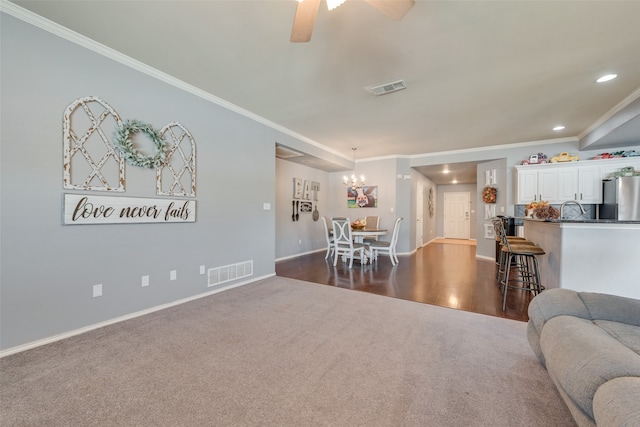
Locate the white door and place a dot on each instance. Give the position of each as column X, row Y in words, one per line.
column 419, row 213
column 456, row 215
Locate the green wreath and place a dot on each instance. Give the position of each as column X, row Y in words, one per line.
column 123, row 141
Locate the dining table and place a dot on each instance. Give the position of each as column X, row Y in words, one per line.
column 360, row 234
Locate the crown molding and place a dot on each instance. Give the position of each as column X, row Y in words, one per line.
column 77, row 38
column 609, row 114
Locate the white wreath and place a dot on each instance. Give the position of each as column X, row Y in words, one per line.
column 123, row 141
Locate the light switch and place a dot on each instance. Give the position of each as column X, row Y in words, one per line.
column 145, row 281
column 266, row 206
column 173, row 274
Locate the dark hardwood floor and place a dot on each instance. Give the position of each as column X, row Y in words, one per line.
column 441, row 273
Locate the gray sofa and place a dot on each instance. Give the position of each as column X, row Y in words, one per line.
column 590, row 345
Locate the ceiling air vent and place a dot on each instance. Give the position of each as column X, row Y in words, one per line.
column 286, row 153
column 388, row 88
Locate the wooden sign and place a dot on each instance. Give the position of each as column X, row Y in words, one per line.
column 90, row 209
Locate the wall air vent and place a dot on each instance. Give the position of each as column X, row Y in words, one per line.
column 388, row 88
column 283, row 152
column 230, row 272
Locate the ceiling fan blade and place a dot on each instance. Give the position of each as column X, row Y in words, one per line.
column 394, row 9
column 303, row 22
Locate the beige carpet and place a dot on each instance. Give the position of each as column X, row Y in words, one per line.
column 282, row 352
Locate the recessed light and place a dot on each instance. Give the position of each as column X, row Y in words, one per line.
column 445, row 171
column 606, row 78
column 559, row 127
column 455, row 181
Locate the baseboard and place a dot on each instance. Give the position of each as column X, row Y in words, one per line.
column 59, row 337
column 284, row 258
column 485, row 258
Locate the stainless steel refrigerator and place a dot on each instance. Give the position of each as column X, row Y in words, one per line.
column 621, row 198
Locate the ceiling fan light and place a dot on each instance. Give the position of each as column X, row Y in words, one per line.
column 332, row 4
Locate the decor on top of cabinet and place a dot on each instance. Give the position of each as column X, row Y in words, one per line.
column 616, row 155
column 489, row 194
column 626, row 171
column 565, row 157
column 535, row 159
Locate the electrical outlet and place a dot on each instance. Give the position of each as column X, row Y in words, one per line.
column 202, row 269
column 173, row 274
column 300, row 241
column 145, row 281
column 266, row 206
column 97, row 290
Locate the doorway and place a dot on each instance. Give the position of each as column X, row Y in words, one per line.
column 456, row 215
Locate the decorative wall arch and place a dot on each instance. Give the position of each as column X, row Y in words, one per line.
column 179, row 170
column 91, row 162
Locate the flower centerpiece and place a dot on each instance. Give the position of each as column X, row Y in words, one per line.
column 358, row 224
column 541, row 210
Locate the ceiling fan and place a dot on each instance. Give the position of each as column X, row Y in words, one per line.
column 308, row 9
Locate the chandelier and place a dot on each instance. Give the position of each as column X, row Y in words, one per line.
column 354, row 184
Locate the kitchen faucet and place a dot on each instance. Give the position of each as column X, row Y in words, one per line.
column 582, row 211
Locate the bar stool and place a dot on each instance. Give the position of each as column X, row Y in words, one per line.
column 501, row 235
column 523, row 257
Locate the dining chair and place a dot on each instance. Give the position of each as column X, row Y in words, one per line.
column 377, row 247
column 343, row 241
column 329, row 236
column 373, row 223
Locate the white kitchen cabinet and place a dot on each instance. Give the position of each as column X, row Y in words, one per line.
column 567, row 184
column 527, row 186
column 559, row 182
column 548, row 184
column 590, row 184
column 537, row 184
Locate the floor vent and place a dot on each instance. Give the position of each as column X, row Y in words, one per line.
column 388, row 88
column 230, row 272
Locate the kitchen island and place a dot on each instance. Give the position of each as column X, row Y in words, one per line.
column 588, row 255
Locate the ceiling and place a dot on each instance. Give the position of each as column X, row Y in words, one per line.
column 478, row 73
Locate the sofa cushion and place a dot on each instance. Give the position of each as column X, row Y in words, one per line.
column 611, row 307
column 556, row 302
column 628, row 335
column 582, row 356
column 547, row 305
column 616, row 403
